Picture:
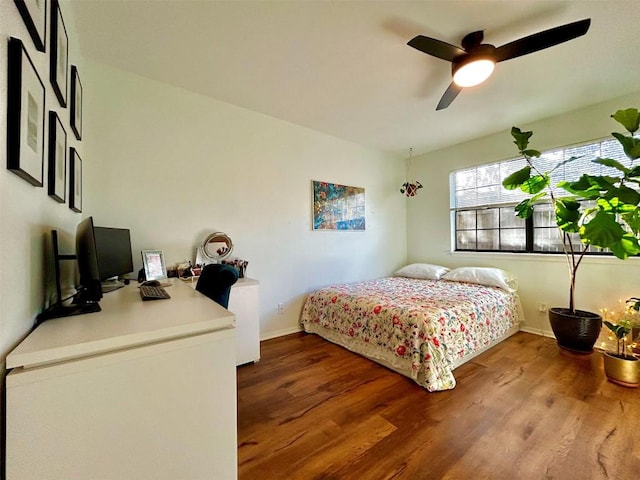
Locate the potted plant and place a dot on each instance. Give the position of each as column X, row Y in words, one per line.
column 622, row 367
column 410, row 189
column 633, row 304
column 599, row 210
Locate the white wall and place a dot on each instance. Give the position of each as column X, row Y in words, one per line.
column 27, row 213
column 543, row 278
column 174, row 166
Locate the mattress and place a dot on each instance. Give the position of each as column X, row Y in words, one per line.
column 420, row 328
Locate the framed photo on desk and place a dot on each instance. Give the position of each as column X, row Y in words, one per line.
column 153, row 262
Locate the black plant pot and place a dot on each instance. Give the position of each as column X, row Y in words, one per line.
column 576, row 331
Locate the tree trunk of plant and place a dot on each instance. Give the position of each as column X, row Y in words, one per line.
column 572, row 288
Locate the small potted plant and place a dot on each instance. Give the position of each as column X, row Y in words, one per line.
column 598, row 210
column 634, row 304
column 411, row 189
column 622, row 367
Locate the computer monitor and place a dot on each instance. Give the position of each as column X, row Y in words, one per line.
column 113, row 251
column 82, row 302
column 104, row 255
column 90, row 289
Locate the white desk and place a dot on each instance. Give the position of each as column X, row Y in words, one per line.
column 138, row 390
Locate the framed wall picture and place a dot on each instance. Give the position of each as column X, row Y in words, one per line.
column 75, row 181
column 34, row 15
column 76, row 103
column 57, row 158
column 338, row 207
column 59, row 55
column 25, row 116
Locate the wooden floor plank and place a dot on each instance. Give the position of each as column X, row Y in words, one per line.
column 524, row 409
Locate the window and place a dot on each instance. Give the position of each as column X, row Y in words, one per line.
column 483, row 211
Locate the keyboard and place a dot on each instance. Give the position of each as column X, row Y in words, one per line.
column 148, row 292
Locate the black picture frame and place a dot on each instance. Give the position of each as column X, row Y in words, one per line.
column 34, row 15
column 75, row 181
column 59, row 56
column 57, row 179
column 75, row 113
column 25, row 116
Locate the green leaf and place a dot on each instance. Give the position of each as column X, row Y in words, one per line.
column 521, row 139
column 567, row 214
column 610, row 325
column 531, row 153
column 516, row 179
column 617, row 196
column 630, row 145
column 535, row 184
column 629, row 119
column 538, row 196
column 607, row 204
column 626, row 247
column 619, row 330
column 585, row 187
column 524, row 209
column 564, row 162
column 610, row 162
column 626, row 195
column 602, row 230
column 632, row 219
column 614, row 205
column 634, row 302
column 634, row 172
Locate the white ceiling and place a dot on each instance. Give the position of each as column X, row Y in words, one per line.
column 343, row 67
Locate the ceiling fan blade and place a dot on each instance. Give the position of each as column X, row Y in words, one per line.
column 434, row 47
column 472, row 40
column 542, row 40
column 449, row 95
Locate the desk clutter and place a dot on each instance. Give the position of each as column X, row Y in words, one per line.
column 190, row 272
column 239, row 264
column 215, row 250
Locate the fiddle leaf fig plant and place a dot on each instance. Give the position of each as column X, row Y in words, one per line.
column 599, row 210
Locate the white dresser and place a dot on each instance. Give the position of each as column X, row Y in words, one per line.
column 140, row 390
column 244, row 303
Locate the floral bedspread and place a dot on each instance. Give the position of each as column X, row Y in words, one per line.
column 418, row 327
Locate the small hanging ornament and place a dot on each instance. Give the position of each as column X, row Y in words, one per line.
column 410, row 189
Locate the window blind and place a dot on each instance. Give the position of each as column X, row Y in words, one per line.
column 481, row 186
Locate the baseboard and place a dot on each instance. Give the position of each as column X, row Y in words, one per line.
column 537, row 331
column 280, row 333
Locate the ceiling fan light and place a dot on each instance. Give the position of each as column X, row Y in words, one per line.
column 473, row 72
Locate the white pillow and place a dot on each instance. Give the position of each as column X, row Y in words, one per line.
column 425, row 271
column 492, row 277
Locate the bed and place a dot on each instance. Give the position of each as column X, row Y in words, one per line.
column 422, row 328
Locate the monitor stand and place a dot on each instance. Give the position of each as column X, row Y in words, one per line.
column 111, row 285
column 58, row 311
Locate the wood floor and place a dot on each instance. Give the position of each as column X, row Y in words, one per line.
column 523, row 410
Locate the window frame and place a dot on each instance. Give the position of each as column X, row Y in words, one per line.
column 509, row 199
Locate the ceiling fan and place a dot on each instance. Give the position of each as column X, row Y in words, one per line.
column 474, row 62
